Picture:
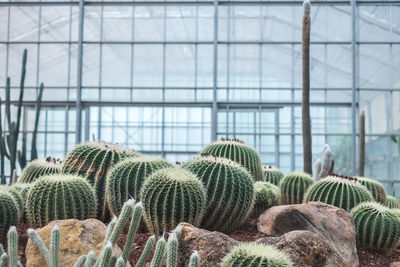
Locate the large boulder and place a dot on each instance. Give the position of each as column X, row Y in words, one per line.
column 212, row 246
column 332, row 223
column 76, row 238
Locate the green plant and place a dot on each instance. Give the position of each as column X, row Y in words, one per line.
column 8, row 213
column 361, row 156
column 146, row 251
column 10, row 260
column 267, row 195
column 93, row 160
column 375, row 188
column 230, row 191
column 17, row 198
column 341, row 191
column 378, row 227
column 293, row 187
column 194, row 259
column 38, row 168
column 238, row 151
column 172, row 250
column 324, row 167
column 392, row 202
column 127, row 177
column 272, row 175
column 252, row 255
column 23, row 190
column 59, row 196
column 159, row 253
column 171, row 196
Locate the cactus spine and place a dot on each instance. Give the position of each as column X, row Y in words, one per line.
column 272, row 175
column 23, row 190
column 253, row 255
column 159, row 253
column 38, row 168
column 93, row 160
column 293, row 187
column 60, row 197
column 127, row 177
column 392, row 202
column 8, row 214
column 13, row 246
column 194, row 259
column 172, row 250
column 55, row 246
column 133, row 227
column 171, row 196
column 341, row 191
column 375, row 188
column 239, row 152
column 378, row 227
column 146, row 251
column 267, row 195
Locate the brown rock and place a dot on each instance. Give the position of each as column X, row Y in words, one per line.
column 395, row 264
column 76, row 238
column 330, row 222
column 212, row 246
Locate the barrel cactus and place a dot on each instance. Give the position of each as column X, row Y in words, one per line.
column 23, row 190
column 272, row 174
column 375, row 188
column 58, row 197
column 238, row 151
column 8, row 214
column 392, row 202
column 230, row 191
column 253, row 255
column 341, row 191
column 267, row 195
column 293, row 187
column 93, row 160
column 38, row 168
column 127, row 177
column 378, row 227
column 17, row 197
column 171, row 196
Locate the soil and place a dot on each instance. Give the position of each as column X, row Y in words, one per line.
column 247, row 233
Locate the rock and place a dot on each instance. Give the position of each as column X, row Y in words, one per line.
column 212, row 246
column 76, row 238
column 395, row 264
column 330, row 222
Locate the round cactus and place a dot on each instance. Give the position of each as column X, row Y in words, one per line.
column 17, row 197
column 253, row 255
column 171, row 196
column 127, row 177
column 272, row 174
column 239, row 152
column 293, row 187
column 58, row 197
column 93, row 160
column 23, row 190
column 341, row 191
column 392, row 202
column 39, row 167
column 375, row 188
column 378, row 227
column 230, row 191
column 267, row 195
column 8, row 214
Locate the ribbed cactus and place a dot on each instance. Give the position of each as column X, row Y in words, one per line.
column 194, row 259
column 239, row 152
column 58, row 197
column 93, row 160
column 341, row 191
column 378, row 227
column 375, row 188
column 23, row 190
column 17, row 198
column 254, row 255
column 267, row 195
column 159, row 253
column 127, row 177
column 230, row 191
column 12, row 247
column 171, row 196
column 38, row 168
column 392, row 202
column 8, row 214
column 172, row 250
column 146, row 251
column 293, row 187
column 272, row 175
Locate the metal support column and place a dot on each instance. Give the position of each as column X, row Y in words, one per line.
column 215, row 77
column 353, row 86
column 79, row 75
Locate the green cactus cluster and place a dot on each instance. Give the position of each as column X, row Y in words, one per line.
column 10, row 258
column 341, row 191
column 38, row 168
column 94, row 160
column 375, row 188
column 378, row 227
column 23, row 190
column 8, row 213
column 272, row 175
column 230, row 191
column 392, row 202
column 59, row 196
column 253, row 255
column 293, row 187
column 127, row 177
column 267, row 195
column 171, row 196
column 17, row 197
column 239, row 152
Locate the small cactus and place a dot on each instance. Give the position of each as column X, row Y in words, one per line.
column 375, row 188
column 38, row 168
column 267, row 195
column 17, row 198
column 60, row 197
column 239, row 152
column 272, row 175
column 253, row 255
column 171, row 196
column 172, row 250
column 159, row 253
column 146, row 251
column 55, row 246
column 194, row 259
column 23, row 190
column 323, row 167
column 12, row 246
column 392, row 202
column 293, row 187
column 8, row 214
column 378, row 227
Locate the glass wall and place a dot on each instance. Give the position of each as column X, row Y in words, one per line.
column 168, row 77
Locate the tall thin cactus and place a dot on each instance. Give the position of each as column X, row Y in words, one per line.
column 361, row 160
